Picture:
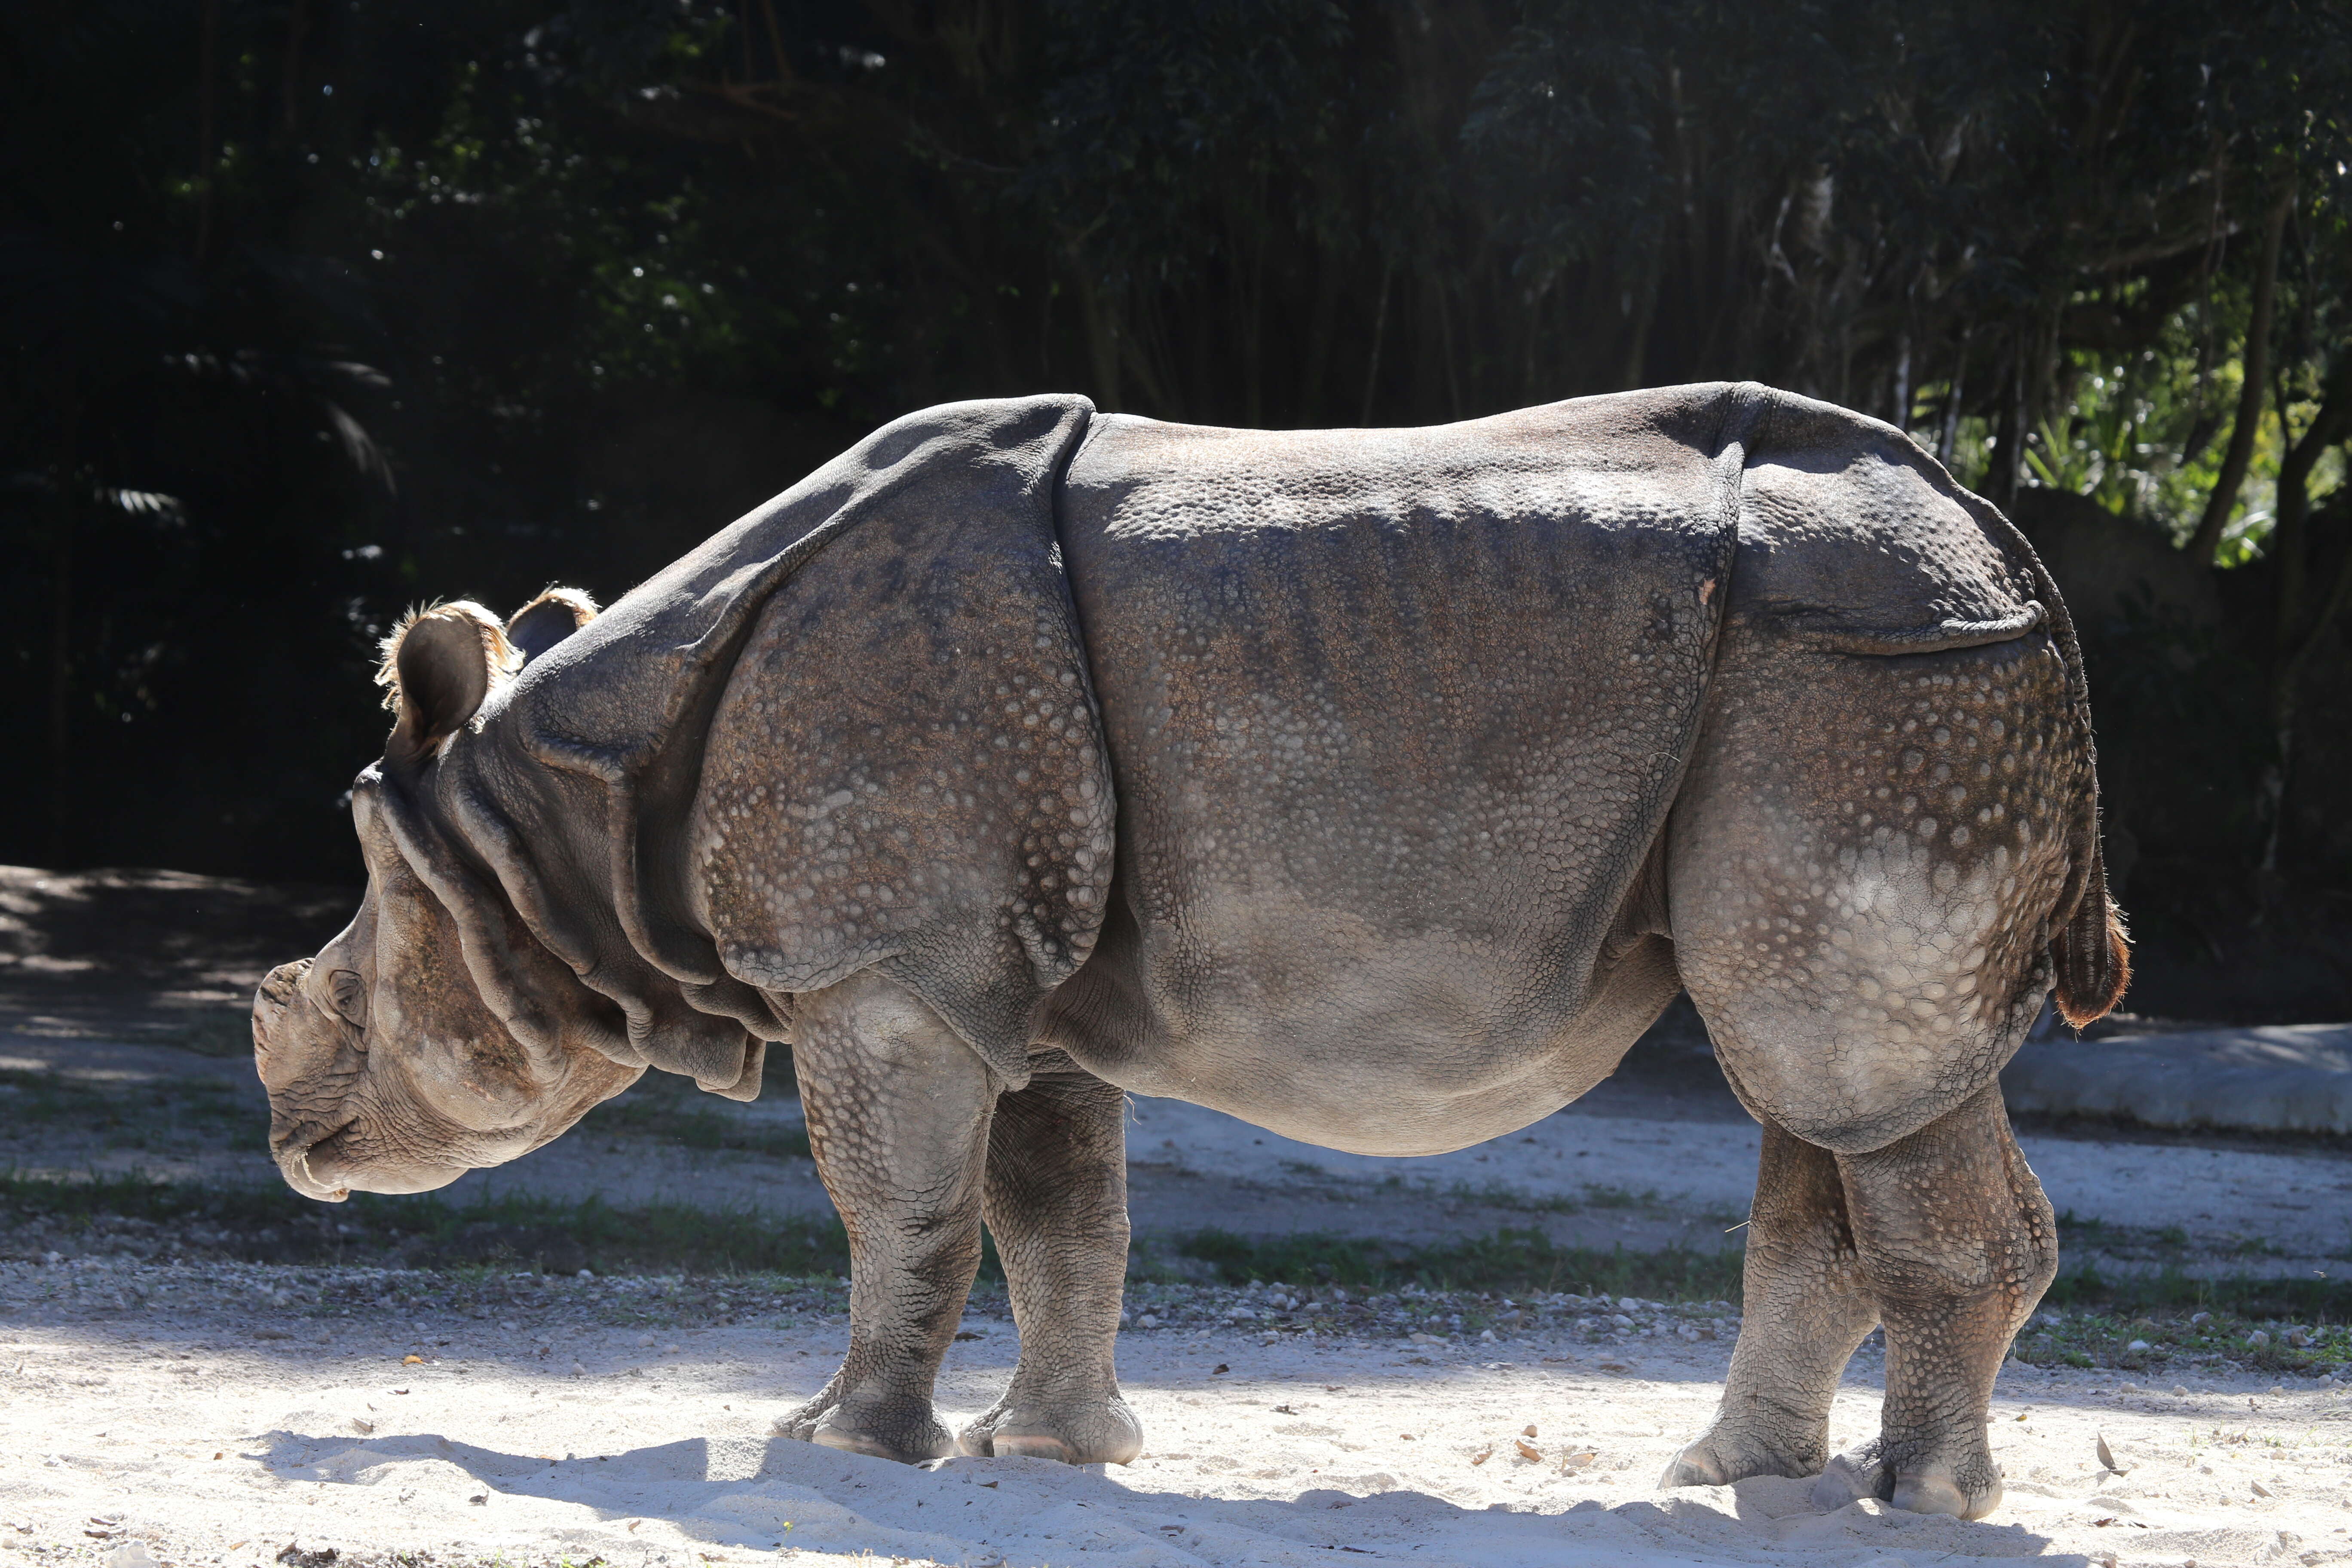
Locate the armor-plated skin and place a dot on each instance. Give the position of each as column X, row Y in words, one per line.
column 1378, row 787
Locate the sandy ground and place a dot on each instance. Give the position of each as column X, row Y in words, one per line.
column 232, row 1413
column 243, row 1415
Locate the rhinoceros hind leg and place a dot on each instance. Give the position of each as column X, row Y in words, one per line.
column 898, row 1110
column 1055, row 1200
column 1806, row 1310
column 1957, row 1244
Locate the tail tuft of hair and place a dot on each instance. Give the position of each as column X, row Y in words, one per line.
column 2091, row 954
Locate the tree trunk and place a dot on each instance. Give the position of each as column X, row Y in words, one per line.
column 2008, row 448
column 297, row 25
column 2296, row 630
column 1380, row 330
column 1102, row 332
column 2207, row 541
column 1953, row 398
column 207, row 46
column 1309, row 410
column 61, row 617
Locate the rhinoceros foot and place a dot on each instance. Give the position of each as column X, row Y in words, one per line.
column 1721, row 1457
column 896, row 1430
column 1102, row 1432
column 1963, row 1489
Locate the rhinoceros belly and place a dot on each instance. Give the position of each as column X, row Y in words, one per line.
column 1394, row 718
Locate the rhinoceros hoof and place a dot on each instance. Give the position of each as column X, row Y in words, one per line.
column 1101, row 1434
column 908, row 1437
column 1927, row 1486
column 1719, row 1459
column 1853, row 1476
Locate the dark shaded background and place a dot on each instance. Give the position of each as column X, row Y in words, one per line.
column 314, row 309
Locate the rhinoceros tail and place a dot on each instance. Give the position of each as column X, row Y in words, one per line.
column 2092, row 952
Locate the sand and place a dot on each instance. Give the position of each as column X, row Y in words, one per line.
column 188, row 1414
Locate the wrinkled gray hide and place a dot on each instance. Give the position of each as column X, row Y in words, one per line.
column 1377, row 786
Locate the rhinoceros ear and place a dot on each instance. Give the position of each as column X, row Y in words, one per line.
column 438, row 665
column 547, row 620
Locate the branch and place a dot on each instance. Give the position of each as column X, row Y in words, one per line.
column 2331, row 425
column 2207, row 541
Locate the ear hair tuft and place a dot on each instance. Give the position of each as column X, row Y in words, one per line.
column 547, row 620
column 440, row 663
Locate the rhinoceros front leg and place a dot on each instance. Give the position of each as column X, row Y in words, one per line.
column 1807, row 1307
column 1055, row 1200
column 899, row 1111
column 1958, row 1243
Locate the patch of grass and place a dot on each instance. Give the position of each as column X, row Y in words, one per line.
column 265, row 1224
column 672, row 1117
column 1609, row 1198
column 1496, row 1195
column 215, row 1032
column 2244, row 1296
column 1511, row 1260
column 158, row 1114
column 2088, row 1319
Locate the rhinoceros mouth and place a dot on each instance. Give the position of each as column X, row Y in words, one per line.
column 328, row 1169
column 294, row 1165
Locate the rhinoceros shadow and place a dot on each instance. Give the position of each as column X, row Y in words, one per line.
column 763, row 1494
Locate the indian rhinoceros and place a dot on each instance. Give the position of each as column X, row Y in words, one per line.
column 1377, row 786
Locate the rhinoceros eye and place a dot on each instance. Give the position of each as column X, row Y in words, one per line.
column 351, row 996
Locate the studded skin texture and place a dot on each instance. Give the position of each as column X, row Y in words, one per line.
column 1864, row 862
column 906, row 771
column 1379, row 786
column 1957, row 1244
column 898, row 1110
column 1395, row 717
column 1055, row 1200
column 1806, row 1310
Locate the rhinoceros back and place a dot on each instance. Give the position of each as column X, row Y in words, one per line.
column 1395, row 717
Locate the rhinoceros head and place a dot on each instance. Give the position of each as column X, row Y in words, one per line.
column 388, row 1068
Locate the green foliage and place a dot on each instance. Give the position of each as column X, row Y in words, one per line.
column 425, row 299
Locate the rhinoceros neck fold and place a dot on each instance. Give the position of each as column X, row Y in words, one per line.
column 585, row 774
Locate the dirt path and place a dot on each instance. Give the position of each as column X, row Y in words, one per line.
column 221, row 1414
